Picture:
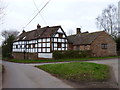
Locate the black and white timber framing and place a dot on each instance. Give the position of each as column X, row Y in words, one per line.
column 42, row 45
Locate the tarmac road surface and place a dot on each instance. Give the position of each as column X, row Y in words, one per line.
column 27, row 76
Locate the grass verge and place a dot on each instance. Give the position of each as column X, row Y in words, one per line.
column 78, row 71
column 60, row 60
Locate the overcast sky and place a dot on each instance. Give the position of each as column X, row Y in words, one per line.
column 70, row 14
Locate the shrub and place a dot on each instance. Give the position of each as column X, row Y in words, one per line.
column 71, row 54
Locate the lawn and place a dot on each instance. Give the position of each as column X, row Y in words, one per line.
column 60, row 60
column 78, row 71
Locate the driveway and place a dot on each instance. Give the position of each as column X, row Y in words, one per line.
column 27, row 76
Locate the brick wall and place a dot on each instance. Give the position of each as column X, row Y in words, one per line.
column 20, row 55
column 96, row 46
column 81, row 47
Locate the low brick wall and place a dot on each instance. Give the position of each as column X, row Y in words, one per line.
column 19, row 55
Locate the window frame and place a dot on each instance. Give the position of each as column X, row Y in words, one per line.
column 104, row 45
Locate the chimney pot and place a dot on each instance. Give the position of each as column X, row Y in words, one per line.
column 38, row 26
column 23, row 31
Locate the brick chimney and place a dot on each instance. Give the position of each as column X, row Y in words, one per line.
column 78, row 30
column 38, row 26
column 23, row 31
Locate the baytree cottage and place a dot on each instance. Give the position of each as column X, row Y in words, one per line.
column 41, row 42
column 100, row 43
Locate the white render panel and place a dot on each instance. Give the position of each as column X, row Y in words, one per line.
column 48, row 39
column 39, row 40
column 63, row 40
column 22, row 46
column 44, row 40
column 63, row 35
column 16, row 43
column 43, row 49
column 55, row 44
column 66, row 40
column 63, row 45
column 34, row 41
column 39, row 50
column 39, row 45
column 31, row 46
column 66, row 49
column 27, row 50
column 35, row 45
column 45, row 55
column 48, row 49
column 18, row 46
column 56, row 35
column 48, row 44
column 60, row 31
column 59, row 48
column 55, row 39
column 66, row 45
column 44, row 45
column 55, row 48
column 59, row 40
column 35, row 50
column 27, row 46
column 30, row 42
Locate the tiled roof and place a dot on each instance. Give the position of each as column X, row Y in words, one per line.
column 83, row 38
column 38, row 33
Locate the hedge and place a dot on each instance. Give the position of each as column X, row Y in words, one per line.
column 71, row 54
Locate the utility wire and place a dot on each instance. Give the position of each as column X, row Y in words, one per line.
column 32, row 14
column 38, row 11
column 37, row 14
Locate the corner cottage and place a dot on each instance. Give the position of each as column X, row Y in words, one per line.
column 39, row 43
column 100, row 43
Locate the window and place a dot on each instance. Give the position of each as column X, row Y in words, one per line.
column 104, row 46
column 59, row 45
column 33, row 45
column 24, row 37
column 60, row 35
column 29, row 46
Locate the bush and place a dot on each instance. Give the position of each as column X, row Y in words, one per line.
column 71, row 54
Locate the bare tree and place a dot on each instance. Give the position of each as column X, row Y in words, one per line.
column 108, row 20
column 6, row 33
column 2, row 8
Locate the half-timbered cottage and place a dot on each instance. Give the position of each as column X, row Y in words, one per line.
column 40, row 43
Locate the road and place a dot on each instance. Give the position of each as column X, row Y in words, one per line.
column 111, row 62
column 27, row 76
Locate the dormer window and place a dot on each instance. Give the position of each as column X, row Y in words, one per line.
column 24, row 37
column 17, row 38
